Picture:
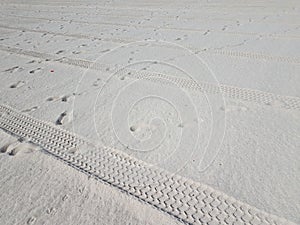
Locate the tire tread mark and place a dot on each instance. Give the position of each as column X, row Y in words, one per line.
column 238, row 54
column 188, row 201
column 250, row 95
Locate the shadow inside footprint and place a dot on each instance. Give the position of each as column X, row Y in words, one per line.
column 36, row 70
column 64, row 98
column 24, row 147
column 13, row 69
column 3, row 149
column 14, row 151
column 60, row 119
column 9, row 147
column 59, row 52
column 30, row 109
column 17, row 85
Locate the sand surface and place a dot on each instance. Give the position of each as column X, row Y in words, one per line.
column 38, row 189
column 114, row 72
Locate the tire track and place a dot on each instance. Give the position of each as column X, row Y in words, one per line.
column 117, row 15
column 250, row 95
column 238, row 54
column 147, row 9
column 188, row 201
column 265, row 35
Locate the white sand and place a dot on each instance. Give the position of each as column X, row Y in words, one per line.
column 38, row 189
column 250, row 45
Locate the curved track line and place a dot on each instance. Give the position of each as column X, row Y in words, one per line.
column 188, row 201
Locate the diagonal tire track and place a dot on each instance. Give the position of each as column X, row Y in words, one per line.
column 238, row 54
column 250, row 95
column 186, row 200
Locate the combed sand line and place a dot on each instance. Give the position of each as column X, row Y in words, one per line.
column 265, row 35
column 186, row 200
column 260, row 97
column 249, row 55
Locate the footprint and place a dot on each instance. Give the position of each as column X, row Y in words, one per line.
column 51, row 211
column 52, row 99
column 130, row 60
column 133, row 128
column 30, row 109
column 15, row 147
column 8, row 147
column 32, row 61
column 17, row 85
column 14, row 69
column 59, row 52
column 181, row 125
column 224, row 28
column 76, row 52
column 65, row 197
column 106, row 50
column 31, row 220
column 14, row 151
column 96, row 83
column 36, row 70
column 24, row 148
column 60, row 119
column 206, row 32
column 64, row 98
